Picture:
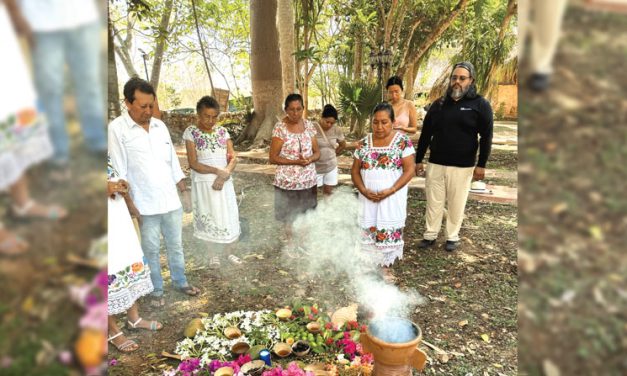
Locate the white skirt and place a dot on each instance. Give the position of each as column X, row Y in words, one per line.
column 216, row 215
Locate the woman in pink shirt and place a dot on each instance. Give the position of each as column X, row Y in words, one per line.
column 405, row 111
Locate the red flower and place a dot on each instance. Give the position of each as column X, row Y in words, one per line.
column 311, row 317
column 363, row 328
column 328, row 325
column 314, row 310
column 372, row 229
column 384, row 159
column 329, row 341
column 381, row 236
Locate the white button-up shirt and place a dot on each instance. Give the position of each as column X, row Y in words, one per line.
column 148, row 162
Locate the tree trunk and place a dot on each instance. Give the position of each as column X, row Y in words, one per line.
column 202, row 48
column 512, row 7
column 265, row 71
column 305, row 72
column 161, row 44
column 358, row 55
column 410, row 77
column 285, row 24
column 123, row 49
column 112, row 83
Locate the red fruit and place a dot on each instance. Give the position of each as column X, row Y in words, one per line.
column 314, row 309
column 328, row 325
column 363, row 328
column 329, row 341
column 301, row 309
column 292, row 317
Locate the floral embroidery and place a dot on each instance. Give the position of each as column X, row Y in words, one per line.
column 383, row 236
column 387, row 158
column 20, row 125
column 126, row 286
column 210, row 141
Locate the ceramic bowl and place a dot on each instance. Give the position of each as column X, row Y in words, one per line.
column 282, row 349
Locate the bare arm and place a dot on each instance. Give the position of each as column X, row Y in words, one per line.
column 316, row 151
column 275, row 151
column 341, row 147
column 412, row 127
column 359, row 183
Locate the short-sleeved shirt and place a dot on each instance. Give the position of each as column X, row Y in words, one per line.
column 295, row 146
column 328, row 159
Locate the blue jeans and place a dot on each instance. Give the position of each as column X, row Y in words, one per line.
column 81, row 50
column 171, row 226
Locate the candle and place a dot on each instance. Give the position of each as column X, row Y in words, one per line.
column 265, row 356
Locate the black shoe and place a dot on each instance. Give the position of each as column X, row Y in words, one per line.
column 539, row 82
column 424, row 243
column 451, row 245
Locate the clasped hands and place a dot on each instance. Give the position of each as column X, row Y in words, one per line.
column 120, row 186
column 222, row 176
column 378, row 196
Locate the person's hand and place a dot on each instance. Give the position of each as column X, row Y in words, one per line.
column 223, row 174
column 420, row 169
column 186, row 200
column 370, row 195
column 120, row 187
column 478, row 173
column 218, row 184
column 304, row 161
column 386, row 193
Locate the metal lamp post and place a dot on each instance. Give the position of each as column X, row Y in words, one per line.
column 380, row 60
column 144, row 54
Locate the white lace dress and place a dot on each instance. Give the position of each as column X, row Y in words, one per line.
column 382, row 222
column 24, row 137
column 216, row 215
column 129, row 275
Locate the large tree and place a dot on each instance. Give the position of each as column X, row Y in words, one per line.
column 285, row 23
column 265, row 71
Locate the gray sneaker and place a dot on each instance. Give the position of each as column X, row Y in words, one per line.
column 451, row 245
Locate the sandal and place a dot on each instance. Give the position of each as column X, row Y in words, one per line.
column 157, row 302
column 34, row 210
column 234, row 259
column 11, row 244
column 153, row 326
column 126, row 346
column 189, row 290
column 215, row 261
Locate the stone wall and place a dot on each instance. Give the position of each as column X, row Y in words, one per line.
column 177, row 123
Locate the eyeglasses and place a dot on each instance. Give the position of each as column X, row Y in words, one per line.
column 460, row 78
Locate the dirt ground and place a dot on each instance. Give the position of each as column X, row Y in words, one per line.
column 35, row 306
column 573, row 299
column 478, row 284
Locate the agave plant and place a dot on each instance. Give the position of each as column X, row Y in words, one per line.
column 357, row 99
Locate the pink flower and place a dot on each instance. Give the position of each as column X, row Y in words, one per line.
column 95, row 317
column 113, row 362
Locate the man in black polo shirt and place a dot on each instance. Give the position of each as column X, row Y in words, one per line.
column 455, row 126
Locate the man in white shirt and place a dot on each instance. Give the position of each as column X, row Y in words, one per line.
column 142, row 152
column 68, row 32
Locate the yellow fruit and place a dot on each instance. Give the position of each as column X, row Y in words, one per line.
column 192, row 327
column 290, row 341
column 90, row 347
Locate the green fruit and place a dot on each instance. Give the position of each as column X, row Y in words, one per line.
column 254, row 351
column 191, row 328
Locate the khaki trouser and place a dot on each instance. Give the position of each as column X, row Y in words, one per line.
column 544, row 31
column 451, row 185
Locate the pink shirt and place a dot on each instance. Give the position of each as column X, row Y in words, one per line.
column 295, row 146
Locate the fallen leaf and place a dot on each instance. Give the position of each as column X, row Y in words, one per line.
column 550, row 369
column 458, row 285
column 485, row 338
column 596, row 233
column 463, row 323
column 442, row 357
column 283, row 272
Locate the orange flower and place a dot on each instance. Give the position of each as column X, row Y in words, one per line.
column 372, row 229
column 365, row 165
column 137, row 267
column 26, row 117
column 384, row 159
column 381, row 236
